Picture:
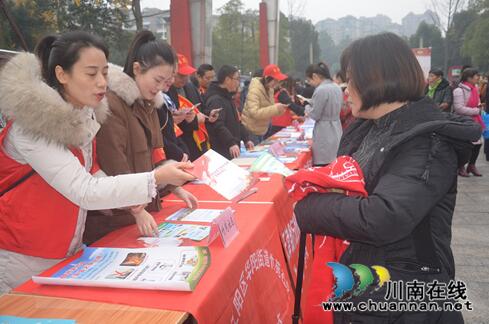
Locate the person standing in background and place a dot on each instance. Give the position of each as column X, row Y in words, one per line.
column 205, row 75
column 466, row 102
column 227, row 132
column 346, row 116
column 438, row 89
column 260, row 105
column 324, row 108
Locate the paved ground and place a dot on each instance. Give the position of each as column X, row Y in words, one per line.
column 470, row 241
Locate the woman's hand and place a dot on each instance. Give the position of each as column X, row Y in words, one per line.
column 187, row 197
column 145, row 222
column 234, row 151
column 173, row 173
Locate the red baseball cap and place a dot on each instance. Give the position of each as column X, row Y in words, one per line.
column 183, row 66
column 273, row 71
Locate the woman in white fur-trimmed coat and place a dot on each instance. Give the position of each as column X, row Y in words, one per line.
column 48, row 172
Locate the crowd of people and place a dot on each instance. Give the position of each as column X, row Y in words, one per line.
column 89, row 147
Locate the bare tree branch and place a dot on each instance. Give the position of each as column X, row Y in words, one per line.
column 296, row 8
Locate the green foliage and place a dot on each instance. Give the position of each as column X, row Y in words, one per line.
column 330, row 52
column 235, row 38
column 431, row 36
column 456, row 35
column 39, row 18
column 476, row 44
column 34, row 19
column 285, row 59
column 303, row 34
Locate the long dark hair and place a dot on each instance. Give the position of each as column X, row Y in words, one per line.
column 64, row 50
column 148, row 52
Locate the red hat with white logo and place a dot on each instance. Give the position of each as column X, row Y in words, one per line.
column 183, row 66
column 273, row 71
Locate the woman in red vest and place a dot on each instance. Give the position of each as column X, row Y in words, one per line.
column 49, row 177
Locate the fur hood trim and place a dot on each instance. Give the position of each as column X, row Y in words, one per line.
column 126, row 88
column 40, row 110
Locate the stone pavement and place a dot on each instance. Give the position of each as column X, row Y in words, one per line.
column 470, row 241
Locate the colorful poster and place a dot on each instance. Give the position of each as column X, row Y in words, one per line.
column 168, row 268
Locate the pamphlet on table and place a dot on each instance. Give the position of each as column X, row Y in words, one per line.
column 163, row 268
column 222, row 175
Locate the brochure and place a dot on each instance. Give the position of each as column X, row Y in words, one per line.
column 195, row 215
column 183, row 231
column 267, row 163
column 166, row 268
column 220, row 174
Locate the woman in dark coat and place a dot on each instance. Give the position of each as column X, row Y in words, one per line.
column 409, row 152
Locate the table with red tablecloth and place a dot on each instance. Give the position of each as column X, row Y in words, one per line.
column 252, row 280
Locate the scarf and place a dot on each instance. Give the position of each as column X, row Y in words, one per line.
column 432, row 88
column 473, row 102
column 341, row 176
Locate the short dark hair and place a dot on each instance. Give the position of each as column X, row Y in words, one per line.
column 148, row 52
column 468, row 73
column 383, row 69
column 64, row 50
column 320, row 69
column 203, row 68
column 224, row 72
column 436, row 71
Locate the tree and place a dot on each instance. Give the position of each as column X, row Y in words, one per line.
column 285, row 59
column 235, row 38
column 445, row 11
column 461, row 23
column 138, row 16
column 304, row 42
column 476, row 43
column 34, row 19
column 431, row 37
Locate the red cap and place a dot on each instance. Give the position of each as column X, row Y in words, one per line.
column 183, row 66
column 273, row 71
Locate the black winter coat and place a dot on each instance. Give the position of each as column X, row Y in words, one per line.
column 405, row 222
column 173, row 146
column 443, row 94
column 192, row 94
column 227, row 130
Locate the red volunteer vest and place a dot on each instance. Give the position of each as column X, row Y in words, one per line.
column 35, row 219
column 283, row 120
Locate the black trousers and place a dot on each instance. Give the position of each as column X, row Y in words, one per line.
column 475, row 153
